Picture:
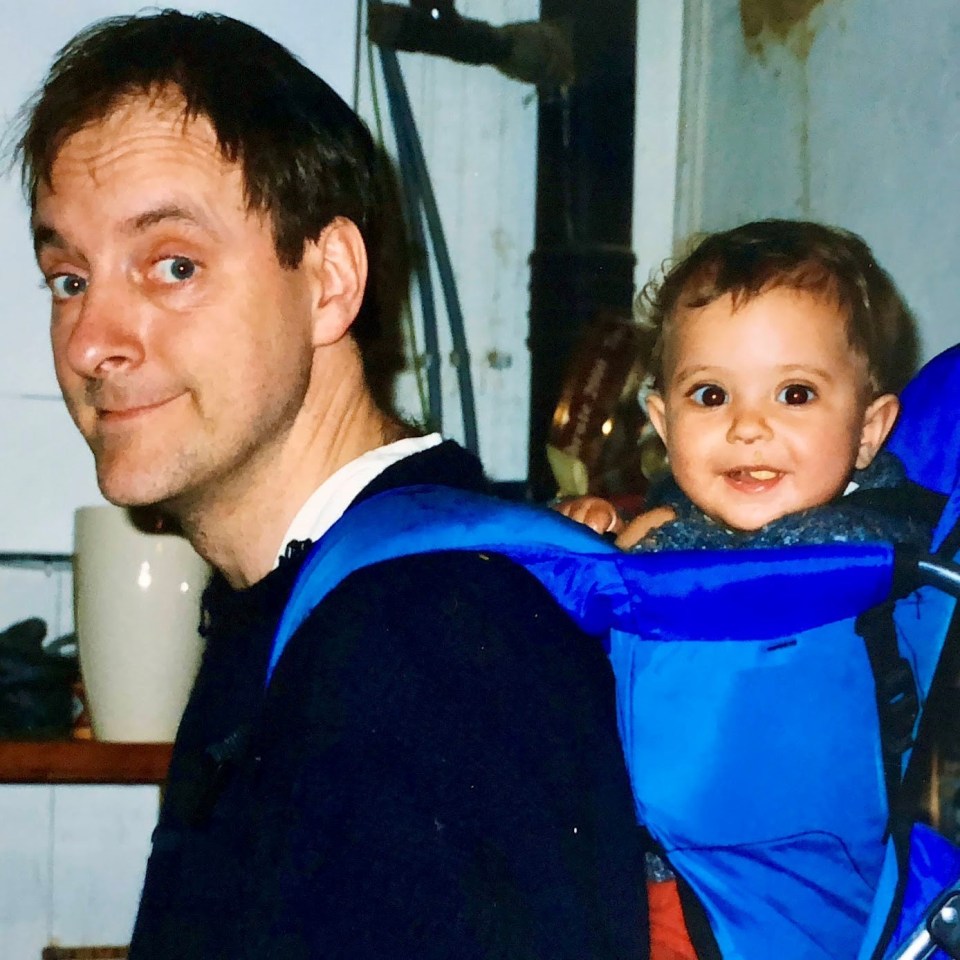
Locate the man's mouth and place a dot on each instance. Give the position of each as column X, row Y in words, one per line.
column 124, row 413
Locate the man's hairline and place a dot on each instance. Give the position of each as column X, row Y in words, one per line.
column 173, row 94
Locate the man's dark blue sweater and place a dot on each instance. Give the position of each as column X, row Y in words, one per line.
column 434, row 772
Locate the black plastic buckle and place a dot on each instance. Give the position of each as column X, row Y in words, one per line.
column 944, row 926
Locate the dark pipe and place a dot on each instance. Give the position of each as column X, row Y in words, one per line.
column 439, row 30
column 582, row 262
column 534, row 52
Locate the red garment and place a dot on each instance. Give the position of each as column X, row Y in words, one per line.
column 669, row 939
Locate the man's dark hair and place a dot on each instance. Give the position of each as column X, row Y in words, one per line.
column 828, row 262
column 306, row 157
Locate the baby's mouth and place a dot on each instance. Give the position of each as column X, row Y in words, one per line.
column 753, row 478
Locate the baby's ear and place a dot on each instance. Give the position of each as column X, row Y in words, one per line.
column 657, row 414
column 878, row 421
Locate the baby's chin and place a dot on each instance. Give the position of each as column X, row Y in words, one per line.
column 751, row 524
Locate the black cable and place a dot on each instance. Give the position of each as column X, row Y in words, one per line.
column 406, row 128
column 413, row 205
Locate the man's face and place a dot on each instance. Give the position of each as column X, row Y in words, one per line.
column 182, row 347
column 765, row 409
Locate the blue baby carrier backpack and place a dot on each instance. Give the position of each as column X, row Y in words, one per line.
column 765, row 737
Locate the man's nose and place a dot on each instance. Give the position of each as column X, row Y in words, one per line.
column 748, row 424
column 107, row 336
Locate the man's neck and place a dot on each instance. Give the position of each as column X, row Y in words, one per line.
column 238, row 530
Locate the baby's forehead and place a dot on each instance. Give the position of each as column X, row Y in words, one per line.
column 783, row 325
column 769, row 307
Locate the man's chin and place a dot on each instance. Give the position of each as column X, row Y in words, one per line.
column 131, row 491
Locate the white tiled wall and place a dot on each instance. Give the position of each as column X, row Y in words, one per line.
column 851, row 119
column 71, row 864
column 479, row 134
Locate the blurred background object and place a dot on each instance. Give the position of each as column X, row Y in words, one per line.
column 599, row 440
column 581, row 58
column 36, row 682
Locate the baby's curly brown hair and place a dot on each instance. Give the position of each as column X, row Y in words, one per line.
column 800, row 255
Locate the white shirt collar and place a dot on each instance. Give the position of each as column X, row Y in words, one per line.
column 330, row 500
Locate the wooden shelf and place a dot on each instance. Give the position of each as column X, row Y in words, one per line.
column 83, row 761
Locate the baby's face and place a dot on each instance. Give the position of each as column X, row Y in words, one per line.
column 765, row 410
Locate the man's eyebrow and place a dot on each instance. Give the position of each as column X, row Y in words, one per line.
column 45, row 236
column 149, row 218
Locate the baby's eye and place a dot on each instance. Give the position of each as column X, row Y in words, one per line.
column 796, row 394
column 709, row 395
column 173, row 270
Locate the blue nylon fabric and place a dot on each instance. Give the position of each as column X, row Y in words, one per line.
column 734, row 670
column 744, row 693
column 768, row 794
column 948, row 520
column 927, row 439
column 713, row 595
column 927, row 433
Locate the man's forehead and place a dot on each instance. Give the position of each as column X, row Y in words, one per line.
column 148, row 123
column 147, row 155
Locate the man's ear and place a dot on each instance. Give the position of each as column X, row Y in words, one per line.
column 657, row 413
column 878, row 421
column 336, row 266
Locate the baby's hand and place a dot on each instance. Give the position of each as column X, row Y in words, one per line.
column 594, row 512
column 640, row 526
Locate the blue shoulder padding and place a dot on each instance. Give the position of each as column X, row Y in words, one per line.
column 713, row 595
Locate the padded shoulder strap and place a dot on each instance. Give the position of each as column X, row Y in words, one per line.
column 421, row 519
column 705, row 595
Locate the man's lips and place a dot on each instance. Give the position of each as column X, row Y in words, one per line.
column 127, row 412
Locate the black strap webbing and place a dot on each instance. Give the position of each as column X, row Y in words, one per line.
column 898, row 704
column 898, row 707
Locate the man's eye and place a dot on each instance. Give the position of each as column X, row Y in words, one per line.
column 709, row 395
column 796, row 394
column 173, row 270
column 64, row 286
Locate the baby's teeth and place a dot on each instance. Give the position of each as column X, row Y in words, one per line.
column 762, row 474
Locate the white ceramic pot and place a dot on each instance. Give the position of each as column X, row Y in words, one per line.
column 137, row 613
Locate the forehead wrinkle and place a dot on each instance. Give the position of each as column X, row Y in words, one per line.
column 138, row 127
